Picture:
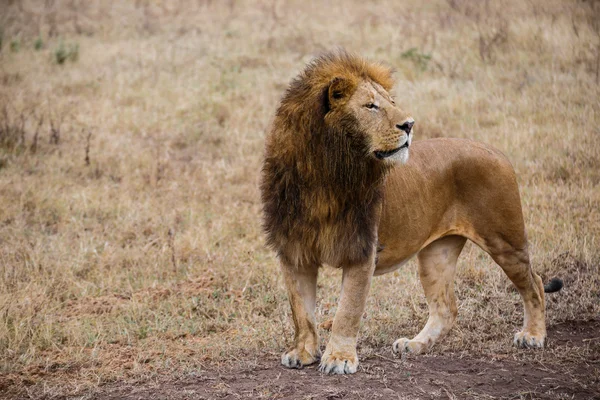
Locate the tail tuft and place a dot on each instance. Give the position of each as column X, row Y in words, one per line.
column 554, row 285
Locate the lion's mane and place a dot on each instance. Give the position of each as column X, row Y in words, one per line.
column 320, row 190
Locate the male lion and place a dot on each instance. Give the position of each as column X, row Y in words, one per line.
column 335, row 192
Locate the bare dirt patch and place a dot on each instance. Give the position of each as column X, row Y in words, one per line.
column 551, row 374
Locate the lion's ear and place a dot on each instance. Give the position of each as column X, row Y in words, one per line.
column 339, row 91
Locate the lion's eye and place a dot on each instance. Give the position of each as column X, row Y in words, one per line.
column 372, row 106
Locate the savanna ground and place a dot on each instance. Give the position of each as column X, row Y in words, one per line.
column 132, row 262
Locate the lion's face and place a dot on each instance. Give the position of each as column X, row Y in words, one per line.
column 387, row 127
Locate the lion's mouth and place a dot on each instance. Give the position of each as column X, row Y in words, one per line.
column 385, row 154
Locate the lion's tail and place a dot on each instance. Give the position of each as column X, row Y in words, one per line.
column 554, row 285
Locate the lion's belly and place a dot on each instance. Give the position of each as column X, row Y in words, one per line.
column 389, row 262
column 399, row 248
column 401, row 242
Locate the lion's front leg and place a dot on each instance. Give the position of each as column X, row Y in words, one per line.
column 340, row 354
column 301, row 284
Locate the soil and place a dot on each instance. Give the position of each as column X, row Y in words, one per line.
column 572, row 372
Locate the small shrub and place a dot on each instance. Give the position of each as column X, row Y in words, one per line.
column 61, row 53
column 421, row 60
column 66, row 52
column 38, row 44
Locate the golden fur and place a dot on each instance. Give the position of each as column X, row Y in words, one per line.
column 335, row 192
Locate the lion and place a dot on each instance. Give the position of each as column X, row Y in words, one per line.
column 338, row 189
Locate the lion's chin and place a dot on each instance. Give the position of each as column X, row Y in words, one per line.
column 398, row 155
column 401, row 157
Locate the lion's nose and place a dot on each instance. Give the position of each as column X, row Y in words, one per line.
column 407, row 126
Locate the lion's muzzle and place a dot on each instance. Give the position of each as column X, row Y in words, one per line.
column 405, row 127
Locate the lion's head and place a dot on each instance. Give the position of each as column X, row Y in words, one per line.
column 364, row 107
column 343, row 102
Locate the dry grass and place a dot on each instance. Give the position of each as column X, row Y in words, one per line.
column 130, row 244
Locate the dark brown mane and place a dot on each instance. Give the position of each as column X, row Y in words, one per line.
column 319, row 186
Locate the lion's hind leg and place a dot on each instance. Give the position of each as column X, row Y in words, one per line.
column 515, row 263
column 437, row 266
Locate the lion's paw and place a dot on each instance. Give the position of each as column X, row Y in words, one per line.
column 527, row 340
column 405, row 345
column 339, row 363
column 298, row 358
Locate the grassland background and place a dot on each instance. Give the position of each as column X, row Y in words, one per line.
column 149, row 260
